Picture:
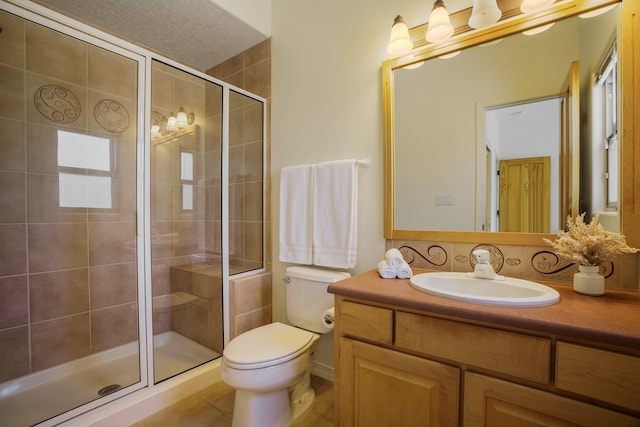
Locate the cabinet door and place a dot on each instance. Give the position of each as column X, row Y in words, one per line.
column 385, row 388
column 496, row 403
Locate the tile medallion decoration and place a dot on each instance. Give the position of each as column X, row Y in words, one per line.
column 430, row 256
column 111, row 115
column 549, row 264
column 57, row 103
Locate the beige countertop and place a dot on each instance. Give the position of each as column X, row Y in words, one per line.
column 611, row 319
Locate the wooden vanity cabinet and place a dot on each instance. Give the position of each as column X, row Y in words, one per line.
column 400, row 368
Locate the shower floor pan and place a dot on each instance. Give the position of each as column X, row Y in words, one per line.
column 37, row 397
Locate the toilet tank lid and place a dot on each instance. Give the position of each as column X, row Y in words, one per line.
column 316, row 274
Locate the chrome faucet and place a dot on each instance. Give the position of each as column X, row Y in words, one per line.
column 484, row 270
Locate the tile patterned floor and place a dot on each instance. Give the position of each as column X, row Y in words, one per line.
column 213, row 407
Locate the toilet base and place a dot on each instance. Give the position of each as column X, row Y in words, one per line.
column 274, row 409
column 302, row 405
column 262, row 409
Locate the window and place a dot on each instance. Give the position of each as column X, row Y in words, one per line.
column 84, row 179
column 607, row 82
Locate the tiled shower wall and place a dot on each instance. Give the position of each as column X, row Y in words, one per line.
column 250, row 298
column 67, row 275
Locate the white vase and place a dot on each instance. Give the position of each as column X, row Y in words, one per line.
column 588, row 281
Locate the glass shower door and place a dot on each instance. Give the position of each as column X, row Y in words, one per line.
column 69, row 331
column 186, row 231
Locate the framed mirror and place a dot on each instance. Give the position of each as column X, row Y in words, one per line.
column 511, row 103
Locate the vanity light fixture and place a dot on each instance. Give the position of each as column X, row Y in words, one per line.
column 534, row 6
column 439, row 28
column 484, row 13
column 164, row 130
column 399, row 41
column 538, row 30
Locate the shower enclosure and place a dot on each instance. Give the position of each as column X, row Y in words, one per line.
column 131, row 188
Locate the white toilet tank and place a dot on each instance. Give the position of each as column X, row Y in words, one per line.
column 307, row 296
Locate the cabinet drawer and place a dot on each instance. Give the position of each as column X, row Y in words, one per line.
column 604, row 375
column 366, row 322
column 510, row 353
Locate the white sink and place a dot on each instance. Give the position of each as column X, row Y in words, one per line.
column 465, row 287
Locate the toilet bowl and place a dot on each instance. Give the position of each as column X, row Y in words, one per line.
column 269, row 366
column 263, row 365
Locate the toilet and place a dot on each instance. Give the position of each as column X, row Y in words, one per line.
column 269, row 365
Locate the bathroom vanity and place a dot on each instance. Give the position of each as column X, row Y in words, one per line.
column 406, row 358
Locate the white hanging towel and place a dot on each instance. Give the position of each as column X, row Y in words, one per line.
column 296, row 214
column 335, row 207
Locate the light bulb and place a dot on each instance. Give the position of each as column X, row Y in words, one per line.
column 439, row 28
column 399, row 40
column 171, row 123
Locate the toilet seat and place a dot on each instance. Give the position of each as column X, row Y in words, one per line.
column 267, row 345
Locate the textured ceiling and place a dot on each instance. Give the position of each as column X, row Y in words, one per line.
column 197, row 33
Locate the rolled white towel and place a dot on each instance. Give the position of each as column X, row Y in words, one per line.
column 386, row 271
column 404, row 272
column 394, row 258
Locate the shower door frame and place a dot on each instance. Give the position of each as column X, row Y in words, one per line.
column 69, row 26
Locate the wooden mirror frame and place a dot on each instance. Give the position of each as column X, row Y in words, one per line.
column 629, row 66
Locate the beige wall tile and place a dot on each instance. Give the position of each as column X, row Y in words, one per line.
column 213, row 167
column 113, row 326
column 253, row 161
column 257, row 53
column 247, row 321
column 251, row 293
column 14, row 363
column 162, row 202
column 162, row 88
column 163, row 240
column 113, row 284
column 258, row 78
column 57, row 247
column 111, row 243
column 236, row 164
column 12, row 197
column 56, row 55
column 12, row 99
column 14, row 302
column 111, row 73
column 60, row 340
column 12, row 144
column 12, row 40
column 13, row 249
column 232, row 66
column 57, row 294
column 253, row 122
column 160, row 277
column 252, row 201
column 44, row 201
column 236, row 127
column 253, row 241
column 42, row 149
